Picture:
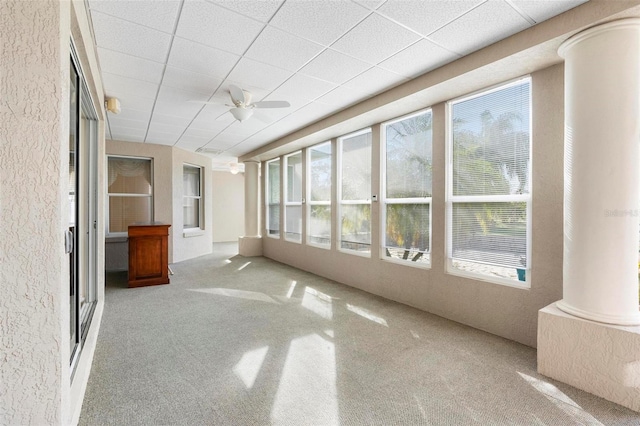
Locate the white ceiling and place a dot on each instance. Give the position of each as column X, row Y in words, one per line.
column 162, row 58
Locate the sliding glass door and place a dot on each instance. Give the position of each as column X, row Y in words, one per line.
column 82, row 235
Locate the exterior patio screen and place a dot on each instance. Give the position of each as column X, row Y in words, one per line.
column 355, row 192
column 273, row 198
column 293, row 200
column 319, row 163
column 489, row 191
column 407, row 188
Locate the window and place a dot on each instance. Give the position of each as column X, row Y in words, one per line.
column 355, row 192
column 192, row 204
column 293, row 200
column 407, row 189
column 320, row 162
column 273, row 198
column 489, row 189
column 130, row 193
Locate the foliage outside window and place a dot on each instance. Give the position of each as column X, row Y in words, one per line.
column 355, row 192
column 320, row 161
column 293, row 197
column 407, row 188
column 130, row 193
column 273, row 198
column 489, row 192
column 192, row 205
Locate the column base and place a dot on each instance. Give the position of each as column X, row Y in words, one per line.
column 250, row 246
column 631, row 319
column 601, row 359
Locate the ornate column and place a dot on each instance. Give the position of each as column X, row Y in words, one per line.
column 251, row 243
column 590, row 339
column 602, row 173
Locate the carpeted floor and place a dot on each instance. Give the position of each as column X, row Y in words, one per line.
column 249, row 341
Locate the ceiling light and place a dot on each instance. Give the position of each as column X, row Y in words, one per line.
column 233, row 168
column 241, row 114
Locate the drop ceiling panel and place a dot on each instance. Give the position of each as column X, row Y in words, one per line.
column 370, row 4
column 374, row 80
column 541, row 10
column 124, row 65
column 184, row 110
column 130, row 86
column 340, row 97
column 257, row 74
column 418, row 59
column 128, row 101
column 375, row 39
column 302, row 87
column 118, row 121
column 319, row 20
column 158, row 126
column 201, row 59
column 426, row 17
column 215, row 26
column 190, row 81
column 172, row 120
column 117, row 34
column 128, row 133
column 484, row 25
column 133, row 114
column 191, row 144
column 213, row 119
column 334, row 67
column 283, row 50
column 261, row 10
column 161, row 138
column 163, row 17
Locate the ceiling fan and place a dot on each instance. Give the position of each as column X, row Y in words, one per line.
column 243, row 107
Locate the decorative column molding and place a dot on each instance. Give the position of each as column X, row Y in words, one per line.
column 602, row 183
column 251, row 243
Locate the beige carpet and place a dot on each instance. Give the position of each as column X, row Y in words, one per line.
column 249, row 341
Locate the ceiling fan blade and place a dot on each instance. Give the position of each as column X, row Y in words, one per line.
column 271, row 104
column 237, row 94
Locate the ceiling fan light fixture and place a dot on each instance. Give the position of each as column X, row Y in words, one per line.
column 241, row 114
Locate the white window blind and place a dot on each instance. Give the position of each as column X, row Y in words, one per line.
column 355, row 192
column 192, row 183
column 489, row 191
column 293, row 199
column 130, row 190
column 407, row 196
column 319, row 163
column 273, row 198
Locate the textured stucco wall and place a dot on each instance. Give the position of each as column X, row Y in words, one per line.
column 566, row 352
column 228, row 206
column 34, row 304
column 506, row 311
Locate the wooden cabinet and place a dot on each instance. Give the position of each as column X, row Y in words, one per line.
column 148, row 254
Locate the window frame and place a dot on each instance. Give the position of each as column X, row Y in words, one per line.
column 267, row 198
column 340, row 202
column 311, row 203
column 108, row 233
column 199, row 197
column 451, row 199
column 384, row 201
column 285, row 199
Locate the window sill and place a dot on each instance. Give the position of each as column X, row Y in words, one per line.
column 522, row 285
column 409, row 263
column 188, row 233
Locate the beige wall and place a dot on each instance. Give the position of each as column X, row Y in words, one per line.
column 167, row 200
column 506, row 311
column 228, row 206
